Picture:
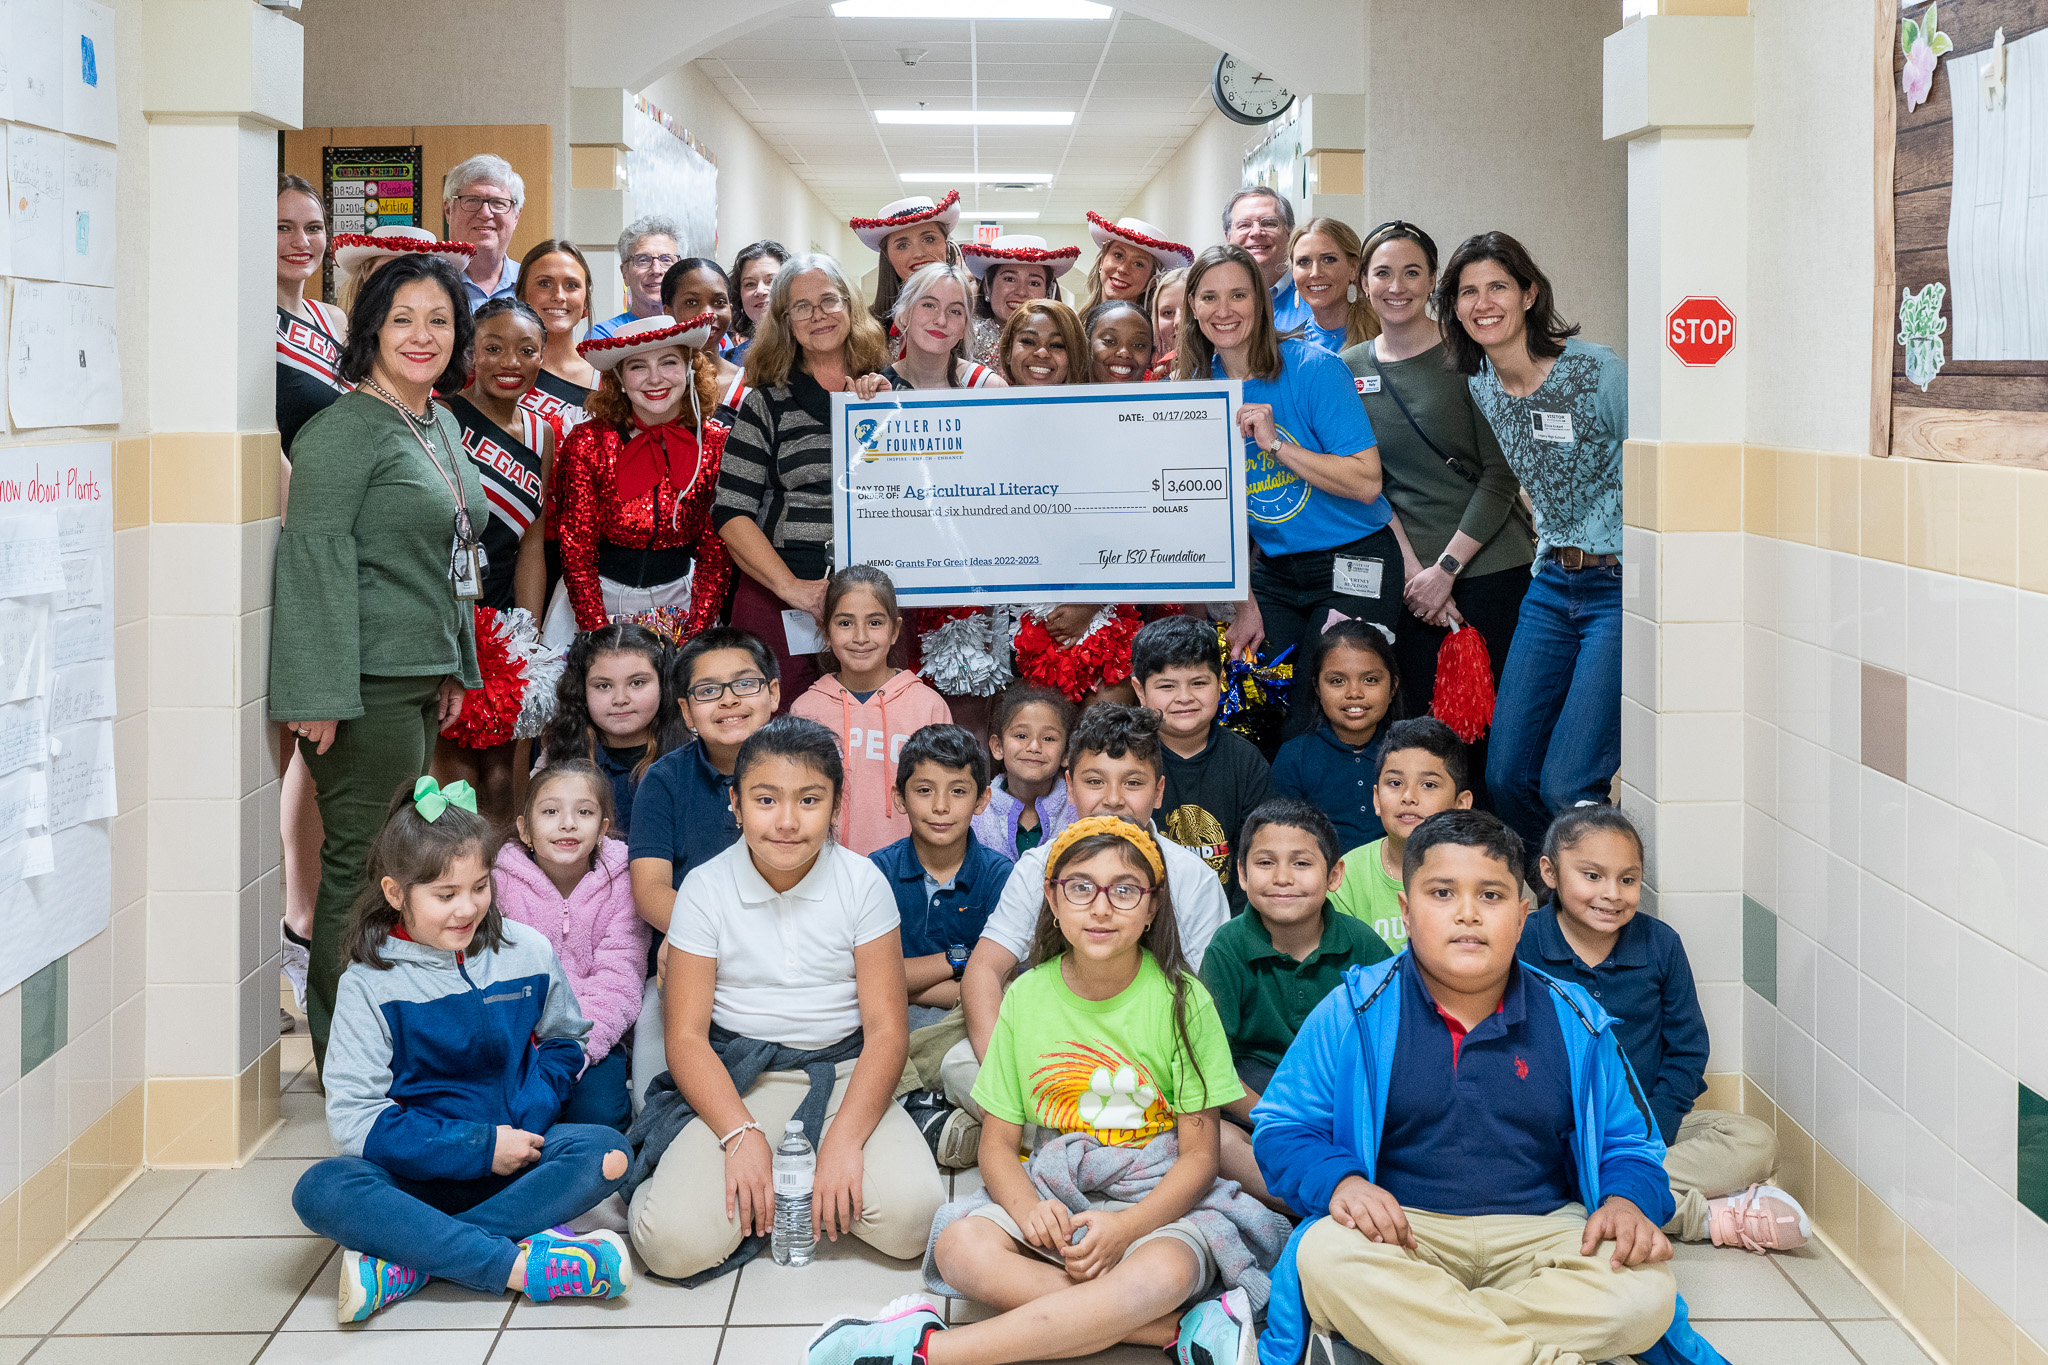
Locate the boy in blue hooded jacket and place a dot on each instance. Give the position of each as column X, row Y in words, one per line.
column 1490, row 1171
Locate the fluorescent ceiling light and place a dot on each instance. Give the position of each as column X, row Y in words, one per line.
column 974, row 178
column 969, row 9
column 1043, row 118
column 988, row 217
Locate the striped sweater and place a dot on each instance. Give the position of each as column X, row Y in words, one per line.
column 778, row 471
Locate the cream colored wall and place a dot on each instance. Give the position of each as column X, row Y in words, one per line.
column 758, row 194
column 1185, row 200
column 1811, row 252
column 374, row 63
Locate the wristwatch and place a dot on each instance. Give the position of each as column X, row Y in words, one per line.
column 1449, row 564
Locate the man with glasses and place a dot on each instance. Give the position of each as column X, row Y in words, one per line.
column 647, row 248
column 481, row 199
column 1261, row 220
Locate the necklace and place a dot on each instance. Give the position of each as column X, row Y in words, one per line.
column 418, row 419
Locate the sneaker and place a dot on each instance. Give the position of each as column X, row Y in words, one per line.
column 592, row 1267
column 298, row 959
column 929, row 1110
column 286, row 1021
column 1218, row 1331
column 959, row 1141
column 368, row 1284
column 895, row 1336
column 1762, row 1218
column 1325, row 1348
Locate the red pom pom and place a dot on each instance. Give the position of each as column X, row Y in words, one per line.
column 1464, row 684
column 490, row 712
column 1102, row 658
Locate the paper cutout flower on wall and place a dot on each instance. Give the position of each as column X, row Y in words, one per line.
column 1920, row 327
column 1922, row 42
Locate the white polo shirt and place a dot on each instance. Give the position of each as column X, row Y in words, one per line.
column 1198, row 903
column 785, row 959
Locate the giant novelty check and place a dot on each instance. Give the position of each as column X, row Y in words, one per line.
column 1096, row 493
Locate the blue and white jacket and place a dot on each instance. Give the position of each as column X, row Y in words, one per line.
column 427, row 1057
column 1320, row 1120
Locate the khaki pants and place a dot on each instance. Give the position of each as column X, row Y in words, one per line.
column 678, row 1217
column 1716, row 1153
column 1502, row 1289
column 960, row 1071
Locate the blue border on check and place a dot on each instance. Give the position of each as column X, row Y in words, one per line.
column 1012, row 592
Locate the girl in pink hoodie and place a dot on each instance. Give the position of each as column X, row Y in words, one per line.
column 565, row 878
column 872, row 706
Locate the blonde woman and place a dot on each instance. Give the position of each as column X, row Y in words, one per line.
column 933, row 321
column 1325, row 257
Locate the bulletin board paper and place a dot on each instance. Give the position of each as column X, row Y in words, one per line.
column 36, row 72
column 35, row 202
column 668, row 174
column 87, row 223
column 7, row 61
column 6, row 212
column 63, row 367
column 1998, row 207
column 87, row 54
column 57, row 788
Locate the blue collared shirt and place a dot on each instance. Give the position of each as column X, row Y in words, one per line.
column 683, row 812
column 1335, row 778
column 1646, row 984
column 937, row 917
column 610, row 325
column 1482, row 1125
column 508, row 276
column 1289, row 311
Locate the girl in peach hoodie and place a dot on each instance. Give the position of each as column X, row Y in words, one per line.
column 873, row 706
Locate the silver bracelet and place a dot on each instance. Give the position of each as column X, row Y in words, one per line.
column 740, row 1131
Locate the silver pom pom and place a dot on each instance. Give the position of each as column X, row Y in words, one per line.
column 544, row 666
column 970, row 655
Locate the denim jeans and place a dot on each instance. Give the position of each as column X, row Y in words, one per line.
column 1556, row 737
column 461, row 1230
column 601, row 1094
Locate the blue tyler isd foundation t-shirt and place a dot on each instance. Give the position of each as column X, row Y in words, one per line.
column 1315, row 406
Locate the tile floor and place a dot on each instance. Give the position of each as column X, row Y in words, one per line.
column 213, row 1268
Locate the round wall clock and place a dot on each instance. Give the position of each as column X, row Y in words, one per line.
column 1246, row 94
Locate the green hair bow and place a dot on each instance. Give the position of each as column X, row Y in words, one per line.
column 430, row 798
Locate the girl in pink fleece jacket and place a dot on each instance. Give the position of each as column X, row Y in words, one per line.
column 873, row 706
column 566, row 879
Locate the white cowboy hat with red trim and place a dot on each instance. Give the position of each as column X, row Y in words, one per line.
column 918, row 208
column 354, row 250
column 1138, row 232
column 647, row 334
column 1017, row 249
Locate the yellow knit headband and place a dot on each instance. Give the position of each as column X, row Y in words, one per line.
column 1123, row 829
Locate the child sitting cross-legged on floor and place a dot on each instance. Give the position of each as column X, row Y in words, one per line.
column 1719, row 1162
column 456, row 1039
column 1482, row 1179
column 1108, row 1059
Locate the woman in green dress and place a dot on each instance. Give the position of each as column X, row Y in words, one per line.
column 373, row 638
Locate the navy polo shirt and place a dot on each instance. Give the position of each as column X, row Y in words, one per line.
column 933, row 921
column 1646, row 984
column 1335, row 778
column 1482, row 1125
column 617, row 765
column 684, row 811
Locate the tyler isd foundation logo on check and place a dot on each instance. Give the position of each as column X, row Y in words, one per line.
column 911, row 433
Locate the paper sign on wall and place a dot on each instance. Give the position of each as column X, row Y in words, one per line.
column 36, row 70
column 87, row 222
column 63, row 368
column 35, row 202
column 6, row 63
column 87, row 57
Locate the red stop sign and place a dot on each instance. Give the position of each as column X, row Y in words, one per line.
column 1700, row 330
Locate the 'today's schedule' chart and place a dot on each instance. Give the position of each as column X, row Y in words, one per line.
column 1099, row 493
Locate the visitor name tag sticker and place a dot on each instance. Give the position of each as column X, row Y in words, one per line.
column 800, row 630
column 1356, row 577
column 466, row 569
column 1552, row 427
column 1368, row 383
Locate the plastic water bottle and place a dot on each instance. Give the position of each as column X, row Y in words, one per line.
column 796, row 1168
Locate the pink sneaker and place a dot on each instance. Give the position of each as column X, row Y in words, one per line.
column 1762, row 1218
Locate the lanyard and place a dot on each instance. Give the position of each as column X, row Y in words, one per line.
column 463, row 531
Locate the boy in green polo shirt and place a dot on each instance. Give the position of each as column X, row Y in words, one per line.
column 1422, row 771
column 1266, row 970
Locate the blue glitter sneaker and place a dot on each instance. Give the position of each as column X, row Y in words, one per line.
column 1218, row 1331
column 893, row 1336
column 368, row 1284
column 593, row 1266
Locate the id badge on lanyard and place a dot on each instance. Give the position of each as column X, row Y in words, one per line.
column 466, row 559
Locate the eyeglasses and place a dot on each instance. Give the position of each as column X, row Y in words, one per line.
column 1269, row 224
column 477, row 203
column 828, row 304
column 1082, row 891
column 643, row 261
column 739, row 687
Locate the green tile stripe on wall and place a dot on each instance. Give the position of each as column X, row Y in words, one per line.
column 2033, row 1150
column 45, row 1007
column 1760, row 950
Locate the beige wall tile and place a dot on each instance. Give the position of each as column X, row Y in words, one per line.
column 193, row 753
column 1760, row 490
column 1987, row 522
column 193, row 477
column 1834, row 1205
column 270, row 1088
column 1881, row 486
column 190, row 1121
column 252, row 656
column 257, row 740
column 193, row 937
column 131, row 669
column 1699, row 487
column 10, row 1244
column 257, row 454
column 194, row 846
column 2030, row 503
column 44, row 1207
column 1880, row 1244
column 127, row 1139
column 2027, row 1351
column 1984, row 1336
column 1795, row 1160
column 1929, row 1297
column 92, row 1172
column 1931, row 490
column 1799, row 496
column 1724, row 1091
column 131, row 482
column 1639, row 484
column 193, row 1029
column 192, row 661
column 131, row 575
column 1841, row 511
column 1884, row 721
column 131, row 761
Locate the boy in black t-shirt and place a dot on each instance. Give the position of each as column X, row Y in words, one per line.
column 1215, row 777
